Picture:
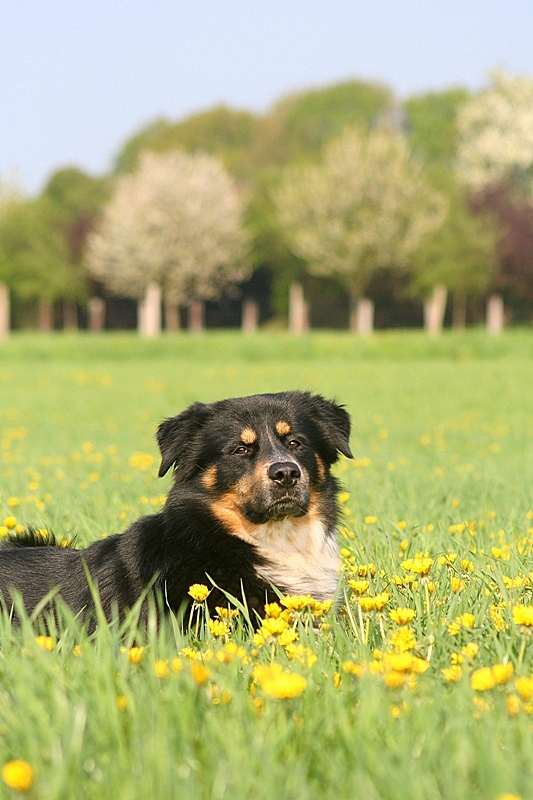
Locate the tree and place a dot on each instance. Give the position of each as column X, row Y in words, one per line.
column 432, row 125
column 364, row 207
column 459, row 256
column 34, row 260
column 75, row 200
column 176, row 223
column 496, row 135
column 299, row 125
column 220, row 131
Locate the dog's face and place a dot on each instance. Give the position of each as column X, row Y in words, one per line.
column 264, row 457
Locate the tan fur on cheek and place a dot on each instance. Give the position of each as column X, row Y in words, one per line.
column 209, row 478
column 320, row 469
column 283, row 428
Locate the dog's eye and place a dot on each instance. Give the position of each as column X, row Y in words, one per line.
column 241, row 451
column 293, row 444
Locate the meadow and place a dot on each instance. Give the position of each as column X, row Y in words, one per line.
column 418, row 684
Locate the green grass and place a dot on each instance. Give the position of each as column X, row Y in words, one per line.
column 443, row 438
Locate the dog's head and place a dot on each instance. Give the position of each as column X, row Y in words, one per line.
column 263, row 455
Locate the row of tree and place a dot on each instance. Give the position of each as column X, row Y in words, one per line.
column 339, row 191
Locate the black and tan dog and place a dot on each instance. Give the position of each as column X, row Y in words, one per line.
column 253, row 505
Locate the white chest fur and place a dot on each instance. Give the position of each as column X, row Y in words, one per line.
column 300, row 557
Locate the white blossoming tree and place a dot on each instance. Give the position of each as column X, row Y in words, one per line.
column 172, row 229
column 496, row 134
column 364, row 207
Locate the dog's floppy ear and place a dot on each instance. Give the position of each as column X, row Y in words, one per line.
column 333, row 422
column 178, row 440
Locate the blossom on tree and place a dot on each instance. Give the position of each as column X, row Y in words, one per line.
column 175, row 222
column 363, row 208
column 496, row 134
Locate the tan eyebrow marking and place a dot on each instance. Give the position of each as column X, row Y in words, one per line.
column 248, row 436
column 282, row 428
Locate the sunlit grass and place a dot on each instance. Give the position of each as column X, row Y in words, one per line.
column 418, row 683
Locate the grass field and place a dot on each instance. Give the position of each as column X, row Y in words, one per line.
column 420, row 686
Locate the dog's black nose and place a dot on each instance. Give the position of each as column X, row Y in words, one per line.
column 285, row 473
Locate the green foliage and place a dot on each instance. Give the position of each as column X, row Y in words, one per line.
column 220, row 131
column 432, row 125
column 442, row 438
column 74, row 193
column 299, row 125
column 34, row 258
column 461, row 254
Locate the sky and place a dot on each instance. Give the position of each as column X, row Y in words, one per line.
column 77, row 79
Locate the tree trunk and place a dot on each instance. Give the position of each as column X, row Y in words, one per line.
column 4, row 311
column 45, row 316
column 250, row 316
column 96, row 311
column 434, row 310
column 149, row 323
column 70, row 315
column 298, row 309
column 196, row 316
column 459, row 311
column 361, row 314
column 495, row 314
column 172, row 317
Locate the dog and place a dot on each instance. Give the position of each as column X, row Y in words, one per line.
column 252, row 512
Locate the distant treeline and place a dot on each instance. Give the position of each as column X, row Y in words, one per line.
column 339, row 207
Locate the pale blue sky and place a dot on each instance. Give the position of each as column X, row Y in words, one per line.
column 78, row 77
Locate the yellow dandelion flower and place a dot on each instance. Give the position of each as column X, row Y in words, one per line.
column 297, row 602
column 421, row 565
column 402, row 639
column 161, row 669
column 394, row 680
column 470, row 650
column 467, row 620
column 452, row 674
column 286, row 637
column 454, row 628
column 512, row 705
column 447, row 560
column 524, row 687
column 218, row 627
column 321, row 607
column 227, row 613
column 502, row 672
column 456, row 584
column 135, row 654
column 273, row 610
column 523, row 616
column 18, row 775
column 122, row 702
column 176, row 665
column 45, row 642
column 402, row 616
column 482, row 679
column 359, row 586
column 352, row 668
column 200, row 673
column 277, row 683
column 10, row 522
column 370, row 520
column 497, row 618
column 273, row 626
column 199, row 592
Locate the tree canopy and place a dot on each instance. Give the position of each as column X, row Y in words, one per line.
column 364, row 207
column 176, row 221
